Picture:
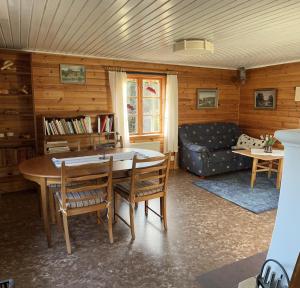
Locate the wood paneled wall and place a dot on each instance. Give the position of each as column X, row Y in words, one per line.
column 51, row 96
column 284, row 78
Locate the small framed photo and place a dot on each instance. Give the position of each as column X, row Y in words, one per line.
column 207, row 98
column 265, row 99
column 72, row 74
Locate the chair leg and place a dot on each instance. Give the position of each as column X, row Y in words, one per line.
column 98, row 217
column 110, row 220
column 58, row 216
column 131, row 213
column 51, row 205
column 146, row 207
column 164, row 214
column 161, row 201
column 67, row 236
column 115, row 200
column 270, row 169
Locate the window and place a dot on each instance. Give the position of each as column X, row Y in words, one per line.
column 144, row 104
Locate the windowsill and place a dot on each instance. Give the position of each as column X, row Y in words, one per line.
column 145, row 135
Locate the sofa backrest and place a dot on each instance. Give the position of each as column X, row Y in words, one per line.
column 214, row 136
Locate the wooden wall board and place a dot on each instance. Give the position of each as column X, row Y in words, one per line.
column 51, row 96
column 284, row 78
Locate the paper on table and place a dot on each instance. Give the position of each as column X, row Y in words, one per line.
column 74, row 161
column 275, row 152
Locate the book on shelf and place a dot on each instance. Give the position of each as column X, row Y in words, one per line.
column 68, row 126
column 105, row 123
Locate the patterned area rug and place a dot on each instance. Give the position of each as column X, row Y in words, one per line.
column 235, row 187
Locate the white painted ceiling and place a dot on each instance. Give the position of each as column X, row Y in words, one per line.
column 246, row 33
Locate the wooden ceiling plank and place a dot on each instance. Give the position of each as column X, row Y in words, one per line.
column 64, row 7
column 116, row 24
column 14, row 18
column 69, row 20
column 36, row 20
column 50, row 12
column 143, row 19
column 26, row 7
column 114, row 14
column 86, row 12
column 174, row 31
column 161, row 43
column 182, row 22
column 108, row 8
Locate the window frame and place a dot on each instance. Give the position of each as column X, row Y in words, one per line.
column 140, row 115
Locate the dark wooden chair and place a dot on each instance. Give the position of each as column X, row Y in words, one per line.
column 84, row 189
column 148, row 180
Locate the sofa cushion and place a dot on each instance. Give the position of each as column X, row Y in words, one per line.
column 196, row 148
column 221, row 156
column 214, row 136
column 248, row 142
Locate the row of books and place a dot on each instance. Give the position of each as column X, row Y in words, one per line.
column 65, row 126
column 14, row 156
column 105, row 123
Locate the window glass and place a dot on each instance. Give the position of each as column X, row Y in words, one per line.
column 144, row 105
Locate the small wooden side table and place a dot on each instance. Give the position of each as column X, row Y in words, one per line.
column 264, row 163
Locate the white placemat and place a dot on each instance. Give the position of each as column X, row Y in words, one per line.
column 75, row 161
column 275, row 152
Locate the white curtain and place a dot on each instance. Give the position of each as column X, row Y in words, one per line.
column 118, row 89
column 171, row 115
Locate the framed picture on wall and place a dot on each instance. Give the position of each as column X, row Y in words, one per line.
column 207, row 98
column 265, row 99
column 72, row 74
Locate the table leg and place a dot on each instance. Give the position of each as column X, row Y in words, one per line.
column 50, row 193
column 45, row 210
column 279, row 173
column 270, row 169
column 253, row 175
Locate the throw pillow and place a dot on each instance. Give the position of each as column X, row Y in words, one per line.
column 247, row 142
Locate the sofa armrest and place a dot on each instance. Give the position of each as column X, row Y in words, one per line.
column 196, row 148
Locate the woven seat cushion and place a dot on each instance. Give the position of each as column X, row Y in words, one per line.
column 54, row 188
column 100, row 197
column 124, row 188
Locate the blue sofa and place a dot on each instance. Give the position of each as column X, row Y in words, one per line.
column 205, row 149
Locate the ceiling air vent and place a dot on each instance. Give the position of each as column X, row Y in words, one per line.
column 193, row 47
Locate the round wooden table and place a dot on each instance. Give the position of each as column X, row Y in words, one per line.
column 42, row 171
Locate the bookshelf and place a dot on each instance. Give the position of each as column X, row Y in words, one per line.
column 86, row 127
column 17, row 135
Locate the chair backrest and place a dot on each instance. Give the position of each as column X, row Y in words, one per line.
column 86, row 178
column 60, row 147
column 110, row 142
column 151, row 172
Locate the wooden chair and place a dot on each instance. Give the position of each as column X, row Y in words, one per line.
column 148, row 181
column 117, row 141
column 85, row 189
column 60, row 146
column 51, row 147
